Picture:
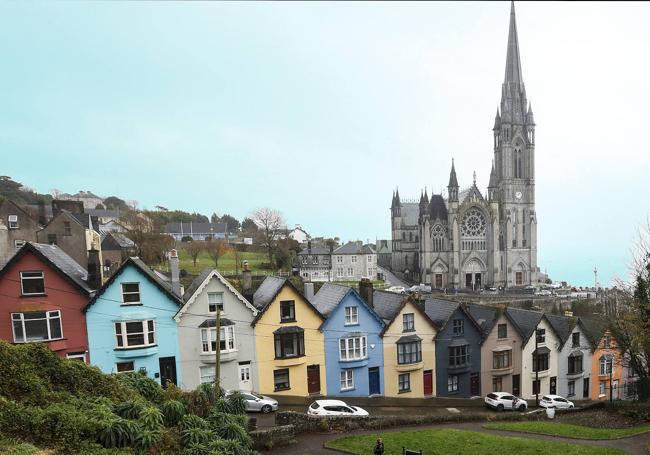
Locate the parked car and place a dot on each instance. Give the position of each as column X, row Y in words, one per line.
column 335, row 408
column 397, row 289
column 544, row 292
column 422, row 288
column 555, row 401
column 503, row 400
column 258, row 403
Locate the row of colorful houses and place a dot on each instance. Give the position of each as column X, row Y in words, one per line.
column 281, row 340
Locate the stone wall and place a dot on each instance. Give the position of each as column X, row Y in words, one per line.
column 273, row 437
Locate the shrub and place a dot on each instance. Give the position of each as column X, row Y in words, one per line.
column 224, row 447
column 234, row 432
column 196, row 436
column 196, row 449
column 129, row 409
column 143, row 385
column 147, row 439
column 151, row 418
column 117, row 432
column 220, row 419
column 237, row 403
column 192, row 421
column 222, row 405
column 173, row 411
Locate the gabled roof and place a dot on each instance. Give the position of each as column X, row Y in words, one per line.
column 315, row 250
column 119, row 239
column 4, row 200
column 437, row 208
column 485, row 316
column 594, row 329
column 200, row 282
column 386, row 304
column 146, row 272
column 405, row 302
column 331, row 295
column 269, row 290
column 440, row 311
column 354, row 248
column 56, row 258
column 526, row 321
column 562, row 325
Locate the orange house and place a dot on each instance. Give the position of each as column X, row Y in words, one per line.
column 606, row 365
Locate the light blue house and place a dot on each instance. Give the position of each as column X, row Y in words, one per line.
column 131, row 324
column 354, row 356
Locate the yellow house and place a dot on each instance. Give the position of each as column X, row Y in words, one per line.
column 409, row 353
column 290, row 347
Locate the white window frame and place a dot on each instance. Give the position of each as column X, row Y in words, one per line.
column 22, row 278
column 49, row 316
column 130, row 293
column 340, row 272
column 77, row 355
column 369, row 258
column 18, row 244
column 410, row 327
column 339, row 259
column 353, row 348
column 206, row 378
column 347, row 380
column 350, row 271
column 126, row 371
column 209, row 335
column 407, row 382
column 452, row 383
column 351, row 315
column 215, row 303
column 353, row 258
column 12, row 222
column 145, row 332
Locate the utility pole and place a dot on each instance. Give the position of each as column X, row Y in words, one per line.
column 611, row 390
column 536, row 366
column 217, row 365
column 595, row 279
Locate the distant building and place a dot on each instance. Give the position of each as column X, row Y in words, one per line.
column 89, row 199
column 384, row 251
column 354, row 261
column 116, row 248
column 299, row 234
column 196, row 231
column 315, row 263
column 16, row 228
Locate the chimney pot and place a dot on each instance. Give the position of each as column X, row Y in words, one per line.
column 247, row 280
column 309, row 291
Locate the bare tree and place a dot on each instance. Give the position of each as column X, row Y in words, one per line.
column 216, row 249
column 194, row 249
column 270, row 222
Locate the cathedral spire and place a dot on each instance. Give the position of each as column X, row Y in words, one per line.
column 513, row 63
column 493, row 177
column 453, row 181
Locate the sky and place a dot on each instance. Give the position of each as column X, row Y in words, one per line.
column 321, row 109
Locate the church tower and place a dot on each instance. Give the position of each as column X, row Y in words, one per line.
column 513, row 182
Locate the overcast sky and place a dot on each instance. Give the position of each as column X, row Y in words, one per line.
column 322, row 109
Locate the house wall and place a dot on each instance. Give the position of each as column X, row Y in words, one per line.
column 59, row 295
column 26, row 231
column 190, row 339
column 321, row 271
column 427, row 332
column 563, row 367
column 306, row 318
column 334, row 328
column 493, row 343
column 107, row 310
column 527, row 373
column 444, row 340
column 361, row 268
column 617, row 371
column 74, row 245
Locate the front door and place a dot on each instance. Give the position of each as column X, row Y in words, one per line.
column 428, row 382
column 515, row 385
column 477, row 281
column 373, row 381
column 468, row 280
column 585, row 388
column 313, row 379
column 553, row 386
column 474, row 385
column 245, row 378
column 167, row 370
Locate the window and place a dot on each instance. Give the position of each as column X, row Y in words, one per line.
column 304, row 260
column 353, row 258
column 207, row 374
column 51, row 239
column 351, row 315
column 135, row 334
column 606, row 341
column 76, row 356
column 605, row 365
column 13, row 222
column 409, row 352
column 18, row 244
column 281, row 379
column 404, row 382
column 32, row 283
column 536, row 387
column 601, row 389
column 354, row 348
column 67, row 230
column 501, row 359
column 314, row 260
column 125, row 367
column 289, row 345
column 459, row 327
column 452, row 383
column 408, row 322
column 575, row 339
column 131, row 293
column 502, row 331
column 339, row 259
column 347, row 380
column 497, row 384
column 350, row 272
column 572, row 388
column 369, row 258
column 585, row 388
column 37, row 326
column 575, row 364
column 458, row 356
column 226, row 339
column 540, row 362
column 541, row 336
column 287, row 311
column 215, row 301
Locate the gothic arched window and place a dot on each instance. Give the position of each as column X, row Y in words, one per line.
column 473, row 224
column 518, row 164
column 438, row 232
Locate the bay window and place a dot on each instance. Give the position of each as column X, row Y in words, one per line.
column 289, row 342
column 410, row 352
column 226, row 339
column 575, row 364
column 135, row 334
column 458, row 356
column 353, row 348
column 36, row 326
column 501, row 359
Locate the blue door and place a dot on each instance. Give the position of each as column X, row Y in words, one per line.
column 373, row 381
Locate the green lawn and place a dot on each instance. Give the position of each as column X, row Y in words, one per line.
column 568, row 430
column 457, row 442
column 226, row 262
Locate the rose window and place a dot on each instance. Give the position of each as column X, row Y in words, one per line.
column 473, row 224
column 438, row 231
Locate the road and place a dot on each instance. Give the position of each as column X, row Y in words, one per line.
column 391, row 279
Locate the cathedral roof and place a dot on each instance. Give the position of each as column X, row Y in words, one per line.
column 453, row 181
column 437, row 207
column 513, row 62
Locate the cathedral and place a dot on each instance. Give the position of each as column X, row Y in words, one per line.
column 470, row 240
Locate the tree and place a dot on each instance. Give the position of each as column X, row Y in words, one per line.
column 248, row 227
column 115, row 203
column 100, row 207
column 214, row 218
column 216, row 249
column 232, row 222
column 269, row 223
column 194, row 249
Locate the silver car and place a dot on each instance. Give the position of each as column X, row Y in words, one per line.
column 259, row 403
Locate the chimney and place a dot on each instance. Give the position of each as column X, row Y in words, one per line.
column 366, row 291
column 173, row 267
column 309, row 291
column 94, row 279
column 309, row 246
column 42, row 218
column 247, row 280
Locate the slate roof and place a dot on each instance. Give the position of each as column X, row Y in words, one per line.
column 437, row 207
column 189, row 292
column 315, row 250
column 328, row 297
column 386, row 304
column 354, row 248
column 195, row 228
column 525, row 320
column 267, row 291
column 119, row 239
column 594, row 329
column 85, row 220
column 439, row 311
column 485, row 316
column 64, row 263
column 562, row 325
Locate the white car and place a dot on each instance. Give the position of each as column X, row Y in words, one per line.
column 544, row 292
column 397, row 289
column 502, row 400
column 334, row 408
column 555, row 401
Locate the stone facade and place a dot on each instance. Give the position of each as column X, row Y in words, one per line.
column 354, row 261
column 16, row 228
column 466, row 239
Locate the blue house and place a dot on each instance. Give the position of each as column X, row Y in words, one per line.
column 458, row 349
column 354, row 355
column 131, row 323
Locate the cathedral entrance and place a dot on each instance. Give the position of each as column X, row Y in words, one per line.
column 474, row 271
column 473, row 280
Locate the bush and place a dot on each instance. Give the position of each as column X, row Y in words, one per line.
column 196, row 449
column 143, row 385
column 151, row 418
column 196, row 436
column 173, row 411
column 192, row 421
column 129, row 409
column 117, row 432
column 237, row 403
column 146, row 439
column 234, row 432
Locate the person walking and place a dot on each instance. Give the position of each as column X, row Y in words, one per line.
column 379, row 447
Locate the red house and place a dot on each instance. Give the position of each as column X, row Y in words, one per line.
column 42, row 294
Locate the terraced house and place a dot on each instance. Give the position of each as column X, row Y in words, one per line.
column 606, row 364
column 197, row 334
column 289, row 346
column 354, row 353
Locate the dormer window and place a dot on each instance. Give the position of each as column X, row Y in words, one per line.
column 131, row 293
column 32, row 283
column 541, row 336
column 575, row 339
column 13, row 222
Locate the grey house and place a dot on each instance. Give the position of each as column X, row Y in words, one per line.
column 458, row 349
column 196, row 321
column 315, row 263
column 197, row 231
column 353, row 261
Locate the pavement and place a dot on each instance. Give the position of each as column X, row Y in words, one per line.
column 391, row 279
